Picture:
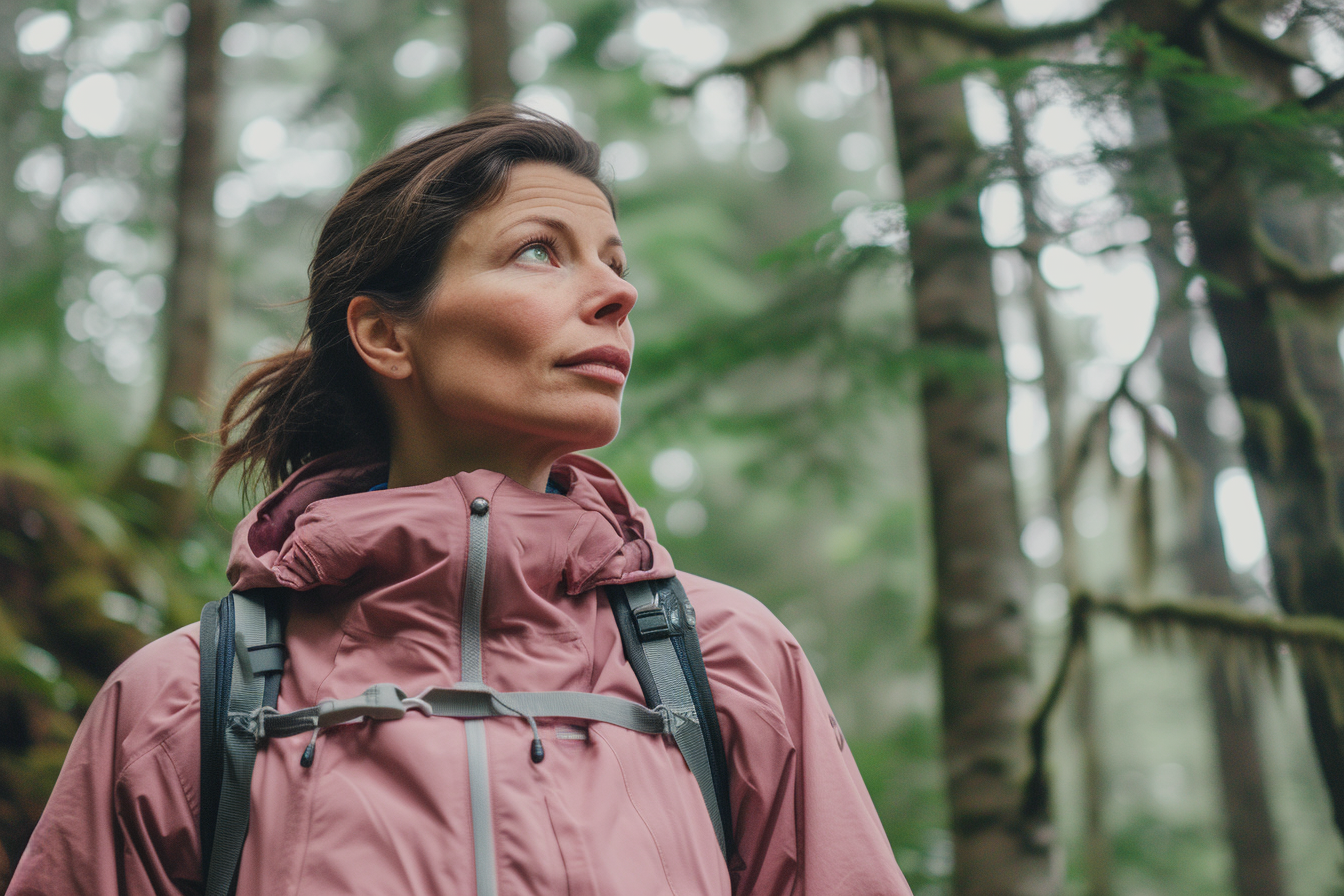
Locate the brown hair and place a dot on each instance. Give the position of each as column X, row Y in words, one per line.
column 384, row 239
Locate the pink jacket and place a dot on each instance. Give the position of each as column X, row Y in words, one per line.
column 384, row 808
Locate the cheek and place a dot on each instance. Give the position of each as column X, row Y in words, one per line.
column 520, row 343
column 506, row 331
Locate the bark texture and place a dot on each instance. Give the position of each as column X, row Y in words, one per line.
column 156, row 481
column 981, row 576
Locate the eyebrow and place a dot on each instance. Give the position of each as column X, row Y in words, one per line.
column 557, row 224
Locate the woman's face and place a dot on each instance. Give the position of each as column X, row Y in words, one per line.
column 525, row 342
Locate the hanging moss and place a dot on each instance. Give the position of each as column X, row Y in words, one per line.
column 1212, row 627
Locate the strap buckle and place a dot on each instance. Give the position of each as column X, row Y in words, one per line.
column 382, row 702
column 661, row 618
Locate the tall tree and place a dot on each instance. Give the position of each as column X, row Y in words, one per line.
column 1256, row 866
column 1249, row 292
column 489, row 43
column 156, row 479
column 983, row 586
column 1002, row 843
column 1151, row 188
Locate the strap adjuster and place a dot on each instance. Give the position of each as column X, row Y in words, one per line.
column 381, row 702
column 661, row 618
column 652, row 623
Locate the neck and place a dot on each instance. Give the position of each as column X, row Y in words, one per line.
column 411, row 467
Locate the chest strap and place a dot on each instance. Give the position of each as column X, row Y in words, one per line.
column 386, row 702
column 242, row 659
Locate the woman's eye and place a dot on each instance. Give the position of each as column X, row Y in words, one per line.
column 537, row 253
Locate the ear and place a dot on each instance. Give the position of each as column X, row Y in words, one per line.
column 377, row 338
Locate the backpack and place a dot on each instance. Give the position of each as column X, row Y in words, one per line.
column 243, row 657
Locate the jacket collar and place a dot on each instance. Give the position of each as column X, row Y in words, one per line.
column 322, row 527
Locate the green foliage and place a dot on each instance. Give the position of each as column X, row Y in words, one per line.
column 1289, row 143
column 772, row 347
column 1154, row 852
column 77, row 595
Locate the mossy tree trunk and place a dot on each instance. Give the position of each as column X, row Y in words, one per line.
column 982, row 581
column 1253, row 841
column 1248, row 297
column 1188, row 392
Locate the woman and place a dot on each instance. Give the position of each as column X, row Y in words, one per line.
column 468, row 329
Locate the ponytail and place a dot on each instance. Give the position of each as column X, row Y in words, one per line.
column 288, row 411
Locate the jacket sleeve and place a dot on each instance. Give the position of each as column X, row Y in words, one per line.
column 803, row 819
column 121, row 820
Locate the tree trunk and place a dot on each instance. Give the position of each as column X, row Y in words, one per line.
column 489, row 43
column 981, row 576
column 1054, row 382
column 1282, row 444
column 1313, row 335
column 155, row 484
column 1253, row 840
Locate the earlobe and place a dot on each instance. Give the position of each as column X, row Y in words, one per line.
column 377, row 338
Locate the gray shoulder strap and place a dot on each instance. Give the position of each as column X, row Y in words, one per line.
column 655, row 617
column 246, row 693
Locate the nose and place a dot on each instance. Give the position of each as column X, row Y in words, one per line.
column 613, row 298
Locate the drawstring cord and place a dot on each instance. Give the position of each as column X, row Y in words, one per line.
column 538, row 751
column 256, row 721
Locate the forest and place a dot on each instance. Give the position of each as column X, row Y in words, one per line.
column 994, row 344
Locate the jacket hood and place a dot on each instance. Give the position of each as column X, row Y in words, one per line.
column 323, row 527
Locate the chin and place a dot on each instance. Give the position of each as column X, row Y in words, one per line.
column 603, row 438
column 595, row 433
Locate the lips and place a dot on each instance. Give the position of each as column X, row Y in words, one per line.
column 605, row 362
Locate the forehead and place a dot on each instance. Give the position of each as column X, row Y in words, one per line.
column 539, row 188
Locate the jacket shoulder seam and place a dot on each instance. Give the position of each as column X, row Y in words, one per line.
column 161, row 743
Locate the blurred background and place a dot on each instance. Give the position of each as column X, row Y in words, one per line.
column 994, row 345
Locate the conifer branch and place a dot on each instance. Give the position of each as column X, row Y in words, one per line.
column 1219, row 617
column 975, row 30
column 1036, row 789
column 1079, row 453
